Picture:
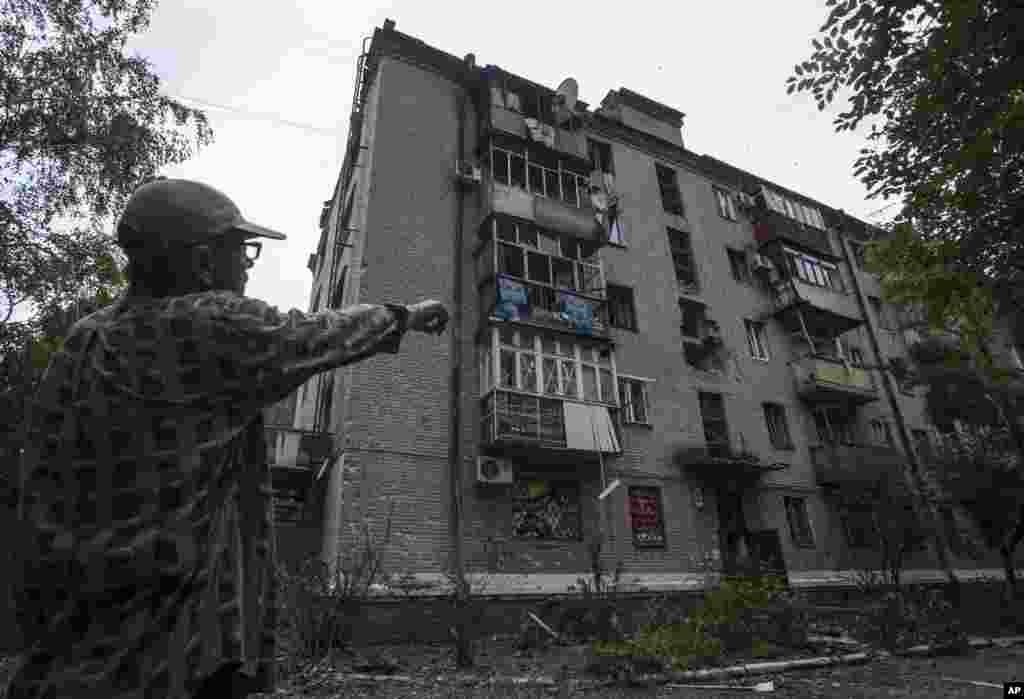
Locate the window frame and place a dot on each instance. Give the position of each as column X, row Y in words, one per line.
column 554, row 486
column 680, row 248
column 815, row 271
column 799, row 518
column 612, row 303
column 504, row 153
column 628, row 413
column 647, row 492
column 880, row 427
column 726, row 203
column 709, row 422
column 757, row 339
column 778, row 426
column 738, row 261
column 603, row 148
column 668, row 185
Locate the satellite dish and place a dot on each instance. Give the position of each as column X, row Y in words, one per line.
column 569, row 91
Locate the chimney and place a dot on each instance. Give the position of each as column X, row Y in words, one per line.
column 470, row 60
column 389, row 25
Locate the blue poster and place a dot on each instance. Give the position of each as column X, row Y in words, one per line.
column 577, row 312
column 512, row 302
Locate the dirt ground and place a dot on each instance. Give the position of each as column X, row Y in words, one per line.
column 892, row 677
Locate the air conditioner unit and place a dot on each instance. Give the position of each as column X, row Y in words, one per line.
column 493, row 471
column 467, row 172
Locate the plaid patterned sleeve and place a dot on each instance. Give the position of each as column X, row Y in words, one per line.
column 265, row 354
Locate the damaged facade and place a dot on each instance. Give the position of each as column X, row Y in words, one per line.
column 627, row 310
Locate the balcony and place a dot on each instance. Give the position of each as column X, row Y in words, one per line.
column 824, row 312
column 771, row 226
column 510, row 299
column 297, row 449
column 829, row 380
column 720, row 460
column 518, row 419
column 855, row 464
column 510, row 121
column 557, row 200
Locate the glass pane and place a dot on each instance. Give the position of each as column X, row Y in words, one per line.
column 637, row 399
column 550, row 377
column 499, row 166
column 563, row 273
column 569, row 379
column 570, row 248
column 551, row 184
column 528, row 366
column 518, row 171
column 539, row 267
column 508, row 368
column 528, row 236
column 536, row 179
column 506, row 230
column 549, row 243
column 607, row 387
column 569, row 194
column 590, row 383
column 510, row 260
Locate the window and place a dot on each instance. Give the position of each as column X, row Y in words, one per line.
column 858, row 526
column 880, row 433
column 738, row 265
column 338, row 297
column 692, row 318
column 547, row 510
column 834, row 426
column 726, row 206
column 799, row 522
column 756, row 339
column 621, row 310
column 716, row 430
column 668, row 182
column 922, row 444
column 881, row 313
column 646, row 517
column 682, row 259
column 778, row 429
column 514, row 165
column 555, row 370
column 600, row 155
column 855, row 355
column 634, row 401
column 814, row 271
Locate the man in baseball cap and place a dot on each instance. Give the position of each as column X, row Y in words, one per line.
column 147, row 561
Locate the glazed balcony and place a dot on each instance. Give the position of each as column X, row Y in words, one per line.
column 773, row 227
column 854, row 464
column 555, row 199
column 294, row 449
column 511, row 121
column 544, row 307
column 515, row 419
column 829, row 380
column 823, row 311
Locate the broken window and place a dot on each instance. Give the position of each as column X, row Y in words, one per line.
column 682, row 259
column 668, row 183
column 716, row 429
column 799, row 522
column 778, row 428
column 546, row 510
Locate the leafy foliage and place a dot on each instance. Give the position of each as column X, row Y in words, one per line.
column 942, row 84
column 82, row 125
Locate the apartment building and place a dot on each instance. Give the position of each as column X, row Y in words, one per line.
column 648, row 345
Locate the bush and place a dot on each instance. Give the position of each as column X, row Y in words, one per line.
column 733, row 618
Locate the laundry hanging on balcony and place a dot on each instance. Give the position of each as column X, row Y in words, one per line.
column 576, row 312
column 512, row 302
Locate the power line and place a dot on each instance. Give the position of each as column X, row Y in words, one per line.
column 266, row 116
column 884, row 208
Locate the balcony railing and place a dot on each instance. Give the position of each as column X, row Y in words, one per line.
column 825, row 311
column 855, row 464
column 509, row 417
column 546, row 306
column 825, row 379
column 297, row 449
column 513, row 122
column 772, row 226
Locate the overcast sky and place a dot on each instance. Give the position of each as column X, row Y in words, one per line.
column 724, row 64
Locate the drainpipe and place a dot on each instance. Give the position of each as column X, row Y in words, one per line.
column 455, row 388
column 912, row 475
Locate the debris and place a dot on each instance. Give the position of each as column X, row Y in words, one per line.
column 976, row 683
column 537, row 620
column 768, row 686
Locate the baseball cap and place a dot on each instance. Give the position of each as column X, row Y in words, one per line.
column 183, row 212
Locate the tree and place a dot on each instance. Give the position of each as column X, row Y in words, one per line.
column 82, row 125
column 981, row 472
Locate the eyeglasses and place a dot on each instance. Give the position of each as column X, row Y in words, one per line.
column 252, row 251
